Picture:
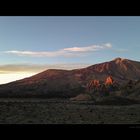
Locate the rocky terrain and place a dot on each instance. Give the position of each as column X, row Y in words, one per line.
column 106, row 93
column 54, row 83
column 63, row 111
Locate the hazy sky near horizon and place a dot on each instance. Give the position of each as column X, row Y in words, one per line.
column 67, row 42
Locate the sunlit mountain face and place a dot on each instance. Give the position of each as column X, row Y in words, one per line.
column 109, row 81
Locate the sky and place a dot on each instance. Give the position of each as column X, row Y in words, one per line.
column 31, row 44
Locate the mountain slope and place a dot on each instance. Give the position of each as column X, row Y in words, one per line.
column 69, row 83
column 120, row 69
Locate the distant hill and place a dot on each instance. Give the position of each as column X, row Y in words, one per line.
column 69, row 83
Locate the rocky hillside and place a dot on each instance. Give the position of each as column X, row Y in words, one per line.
column 69, row 83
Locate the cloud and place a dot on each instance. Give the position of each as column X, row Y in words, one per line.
column 34, row 68
column 66, row 52
column 4, row 69
column 108, row 45
column 88, row 48
column 12, row 72
column 36, row 54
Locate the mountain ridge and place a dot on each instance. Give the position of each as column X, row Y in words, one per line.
column 68, row 83
column 100, row 67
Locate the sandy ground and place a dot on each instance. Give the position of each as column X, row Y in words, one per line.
column 58, row 111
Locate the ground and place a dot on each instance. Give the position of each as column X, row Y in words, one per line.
column 63, row 111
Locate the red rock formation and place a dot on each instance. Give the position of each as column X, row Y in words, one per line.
column 109, row 80
column 93, row 84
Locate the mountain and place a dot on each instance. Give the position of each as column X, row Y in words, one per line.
column 134, row 91
column 120, row 69
column 69, row 83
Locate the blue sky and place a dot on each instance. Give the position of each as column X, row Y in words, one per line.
column 68, row 40
column 55, row 33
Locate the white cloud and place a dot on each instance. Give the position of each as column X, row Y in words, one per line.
column 108, row 45
column 84, row 49
column 36, row 54
column 66, row 52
